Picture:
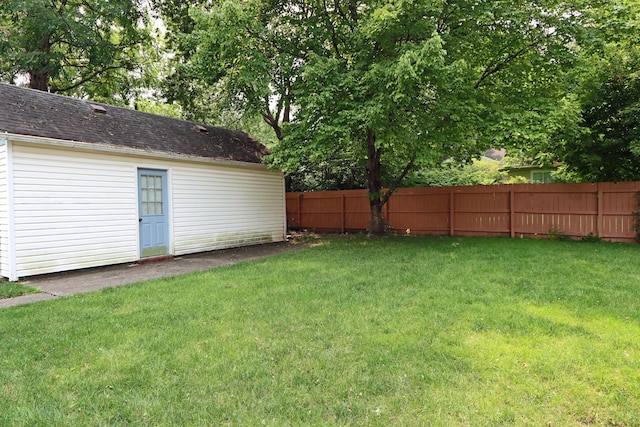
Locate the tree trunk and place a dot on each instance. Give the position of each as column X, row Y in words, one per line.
column 374, row 186
column 377, row 223
column 274, row 123
column 377, row 199
column 39, row 80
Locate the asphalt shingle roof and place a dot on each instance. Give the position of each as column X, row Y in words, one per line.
column 35, row 113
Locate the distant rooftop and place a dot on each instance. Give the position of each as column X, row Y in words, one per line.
column 494, row 154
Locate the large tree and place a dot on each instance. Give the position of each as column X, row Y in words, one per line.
column 390, row 84
column 251, row 53
column 606, row 145
column 181, row 85
column 61, row 45
column 608, row 149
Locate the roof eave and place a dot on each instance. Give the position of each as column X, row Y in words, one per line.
column 112, row 149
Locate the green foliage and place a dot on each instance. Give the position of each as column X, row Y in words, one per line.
column 240, row 57
column 398, row 90
column 383, row 87
column 160, row 108
column 325, row 174
column 591, row 238
column 606, row 146
column 557, row 235
column 71, row 46
column 478, row 172
column 609, row 149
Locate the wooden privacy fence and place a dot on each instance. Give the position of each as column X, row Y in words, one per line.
column 607, row 210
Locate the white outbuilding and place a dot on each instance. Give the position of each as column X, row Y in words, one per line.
column 84, row 184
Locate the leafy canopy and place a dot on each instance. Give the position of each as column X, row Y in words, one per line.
column 391, row 85
column 606, row 145
column 64, row 45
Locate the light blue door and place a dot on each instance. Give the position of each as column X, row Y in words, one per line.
column 154, row 222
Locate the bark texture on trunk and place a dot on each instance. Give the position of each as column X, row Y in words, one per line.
column 378, row 198
column 39, row 80
column 374, row 186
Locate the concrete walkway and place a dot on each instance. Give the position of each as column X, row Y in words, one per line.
column 62, row 284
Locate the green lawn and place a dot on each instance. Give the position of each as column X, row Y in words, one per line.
column 404, row 331
column 13, row 289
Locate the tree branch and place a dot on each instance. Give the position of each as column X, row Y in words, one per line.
column 396, row 182
column 272, row 121
column 353, row 9
column 85, row 79
column 336, row 5
column 327, row 17
column 501, row 64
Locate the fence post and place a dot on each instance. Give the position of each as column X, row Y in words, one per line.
column 599, row 225
column 512, row 214
column 451, row 214
column 300, row 210
column 386, row 211
column 342, row 213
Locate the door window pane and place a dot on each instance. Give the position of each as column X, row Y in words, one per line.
column 151, row 195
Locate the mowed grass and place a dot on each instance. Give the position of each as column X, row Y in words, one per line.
column 13, row 289
column 404, row 331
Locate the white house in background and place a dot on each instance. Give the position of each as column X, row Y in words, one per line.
column 84, row 184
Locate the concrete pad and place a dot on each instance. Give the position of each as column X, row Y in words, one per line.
column 25, row 299
column 80, row 281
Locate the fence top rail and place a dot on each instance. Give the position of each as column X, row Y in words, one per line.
column 621, row 187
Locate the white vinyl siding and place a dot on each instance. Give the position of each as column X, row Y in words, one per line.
column 217, row 208
column 80, row 209
column 4, row 213
column 72, row 210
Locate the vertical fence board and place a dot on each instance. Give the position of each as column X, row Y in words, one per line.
column 527, row 210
